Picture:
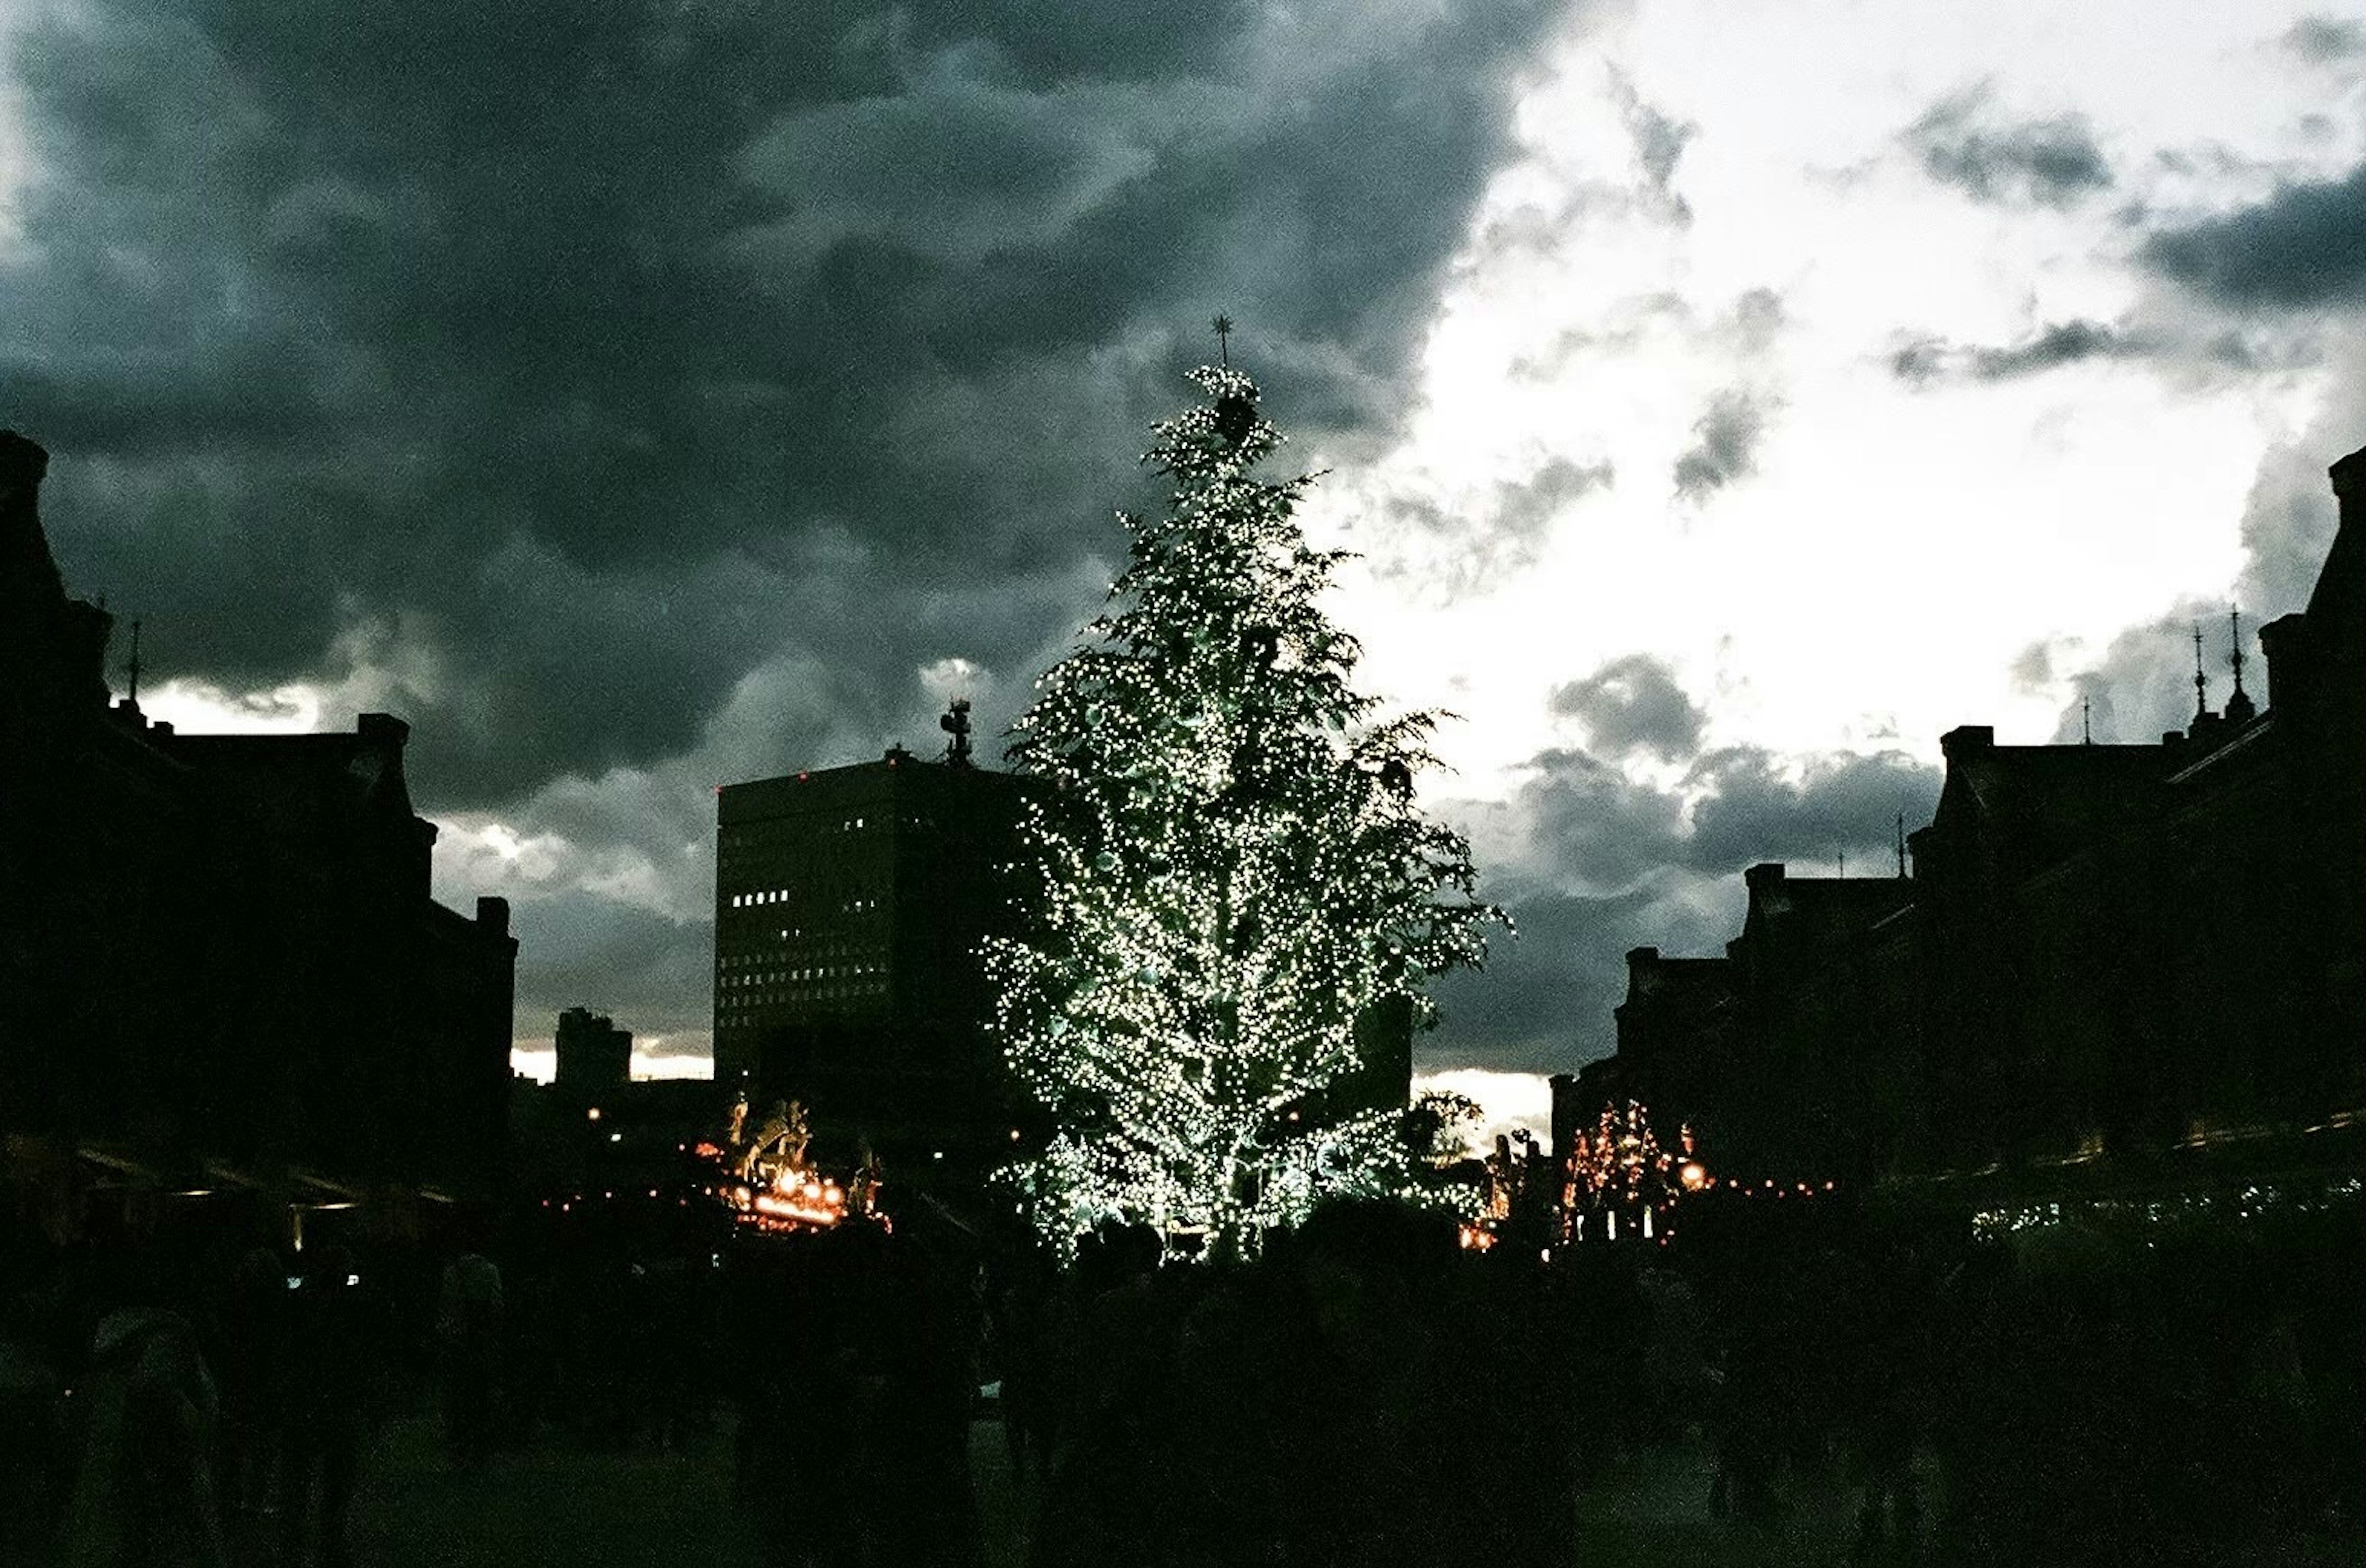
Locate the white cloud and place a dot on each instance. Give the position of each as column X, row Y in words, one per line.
column 1895, row 549
column 1508, row 1101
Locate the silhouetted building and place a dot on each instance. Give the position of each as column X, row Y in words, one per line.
column 219, row 956
column 850, row 905
column 2107, row 956
column 596, row 1134
column 592, row 1053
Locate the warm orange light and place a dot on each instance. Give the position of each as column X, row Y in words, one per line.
column 1693, row 1175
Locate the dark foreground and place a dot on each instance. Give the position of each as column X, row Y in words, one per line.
column 1850, row 1389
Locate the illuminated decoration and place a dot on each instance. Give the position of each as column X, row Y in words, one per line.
column 767, row 1180
column 1227, row 873
column 1620, row 1168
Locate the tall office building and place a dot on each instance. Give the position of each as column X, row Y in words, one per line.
column 849, row 907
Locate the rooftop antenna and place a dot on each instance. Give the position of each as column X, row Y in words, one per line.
column 955, row 723
column 1902, row 846
column 133, row 668
column 2085, row 721
column 1844, row 865
column 1224, row 325
column 2201, row 681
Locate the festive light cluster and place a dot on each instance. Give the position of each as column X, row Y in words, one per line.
column 1228, row 870
column 787, row 1193
column 1620, row 1166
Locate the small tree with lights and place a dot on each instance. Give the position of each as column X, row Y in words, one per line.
column 1228, row 870
column 1620, row 1165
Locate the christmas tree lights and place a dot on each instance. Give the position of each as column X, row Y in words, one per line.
column 1226, row 872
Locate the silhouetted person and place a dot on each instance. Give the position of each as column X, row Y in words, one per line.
column 468, row 1325
column 31, row 1434
column 143, row 1496
column 252, row 1372
column 336, row 1361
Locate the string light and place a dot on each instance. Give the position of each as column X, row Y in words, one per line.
column 1228, row 869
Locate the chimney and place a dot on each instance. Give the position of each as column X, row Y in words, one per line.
column 2349, row 476
column 32, row 595
column 1968, row 740
column 2283, row 643
column 88, row 629
column 1641, row 965
column 382, row 729
column 2334, row 603
column 23, row 462
column 1764, row 875
column 493, row 914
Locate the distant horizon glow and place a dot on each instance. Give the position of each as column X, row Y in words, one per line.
column 1509, row 1102
column 538, row 1060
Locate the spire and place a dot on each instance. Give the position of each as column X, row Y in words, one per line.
column 2240, row 709
column 1223, row 328
column 2201, row 681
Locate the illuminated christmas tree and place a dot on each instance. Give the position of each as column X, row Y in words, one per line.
column 1228, row 870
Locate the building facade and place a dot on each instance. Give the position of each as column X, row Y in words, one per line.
column 219, row 960
column 2111, row 962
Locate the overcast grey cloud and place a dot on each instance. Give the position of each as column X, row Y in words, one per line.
column 2323, row 39
column 1925, row 359
column 2141, row 685
column 1455, row 551
column 1543, row 1003
column 2303, row 248
column 1725, row 443
column 1633, row 704
column 1659, row 143
column 1594, row 861
column 1841, row 805
column 1963, row 142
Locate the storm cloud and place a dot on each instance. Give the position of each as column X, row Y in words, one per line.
column 1598, row 860
column 641, row 396
column 548, row 369
column 2303, row 248
column 1633, row 704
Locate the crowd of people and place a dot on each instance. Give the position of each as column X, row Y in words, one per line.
column 1367, row 1391
column 194, row 1389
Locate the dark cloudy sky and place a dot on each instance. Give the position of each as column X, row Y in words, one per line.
column 1729, row 398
